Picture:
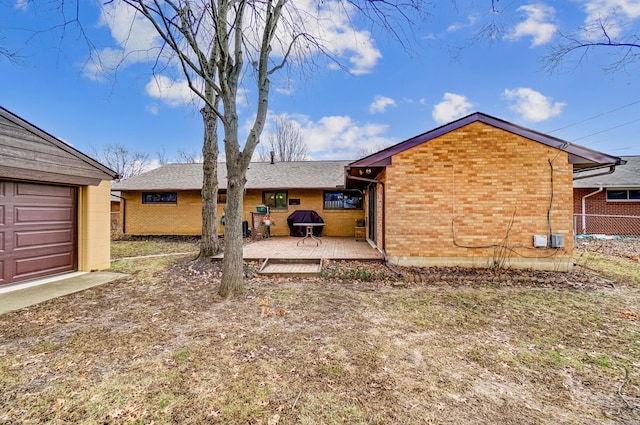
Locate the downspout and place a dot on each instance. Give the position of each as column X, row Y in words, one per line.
column 584, row 208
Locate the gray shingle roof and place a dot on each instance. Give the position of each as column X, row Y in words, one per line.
column 624, row 176
column 261, row 175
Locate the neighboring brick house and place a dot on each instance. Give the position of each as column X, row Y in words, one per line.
column 168, row 200
column 607, row 203
column 115, row 211
column 479, row 191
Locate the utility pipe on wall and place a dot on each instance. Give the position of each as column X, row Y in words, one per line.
column 584, row 208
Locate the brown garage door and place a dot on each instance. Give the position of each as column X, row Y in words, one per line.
column 37, row 230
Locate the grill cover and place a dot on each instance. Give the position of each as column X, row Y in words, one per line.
column 304, row 216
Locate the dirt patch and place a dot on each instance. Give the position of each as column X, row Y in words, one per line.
column 362, row 344
column 628, row 248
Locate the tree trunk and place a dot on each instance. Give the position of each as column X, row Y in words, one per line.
column 209, row 245
column 232, row 282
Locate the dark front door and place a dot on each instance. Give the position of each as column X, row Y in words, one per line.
column 37, row 230
column 372, row 212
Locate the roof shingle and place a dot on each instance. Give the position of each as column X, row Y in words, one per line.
column 624, row 176
column 260, row 175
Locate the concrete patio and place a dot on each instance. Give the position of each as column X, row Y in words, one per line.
column 290, row 248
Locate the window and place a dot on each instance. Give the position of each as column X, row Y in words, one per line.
column 342, row 199
column 623, row 195
column 275, row 200
column 159, row 197
column 222, row 197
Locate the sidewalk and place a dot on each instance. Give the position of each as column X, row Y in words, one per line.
column 19, row 296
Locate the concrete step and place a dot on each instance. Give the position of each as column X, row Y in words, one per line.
column 302, row 267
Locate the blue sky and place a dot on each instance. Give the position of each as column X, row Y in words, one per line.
column 391, row 94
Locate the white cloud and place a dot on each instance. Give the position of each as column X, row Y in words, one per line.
column 284, row 87
column 172, row 92
column 532, row 105
column 330, row 24
column 538, row 24
column 452, row 107
column 338, row 136
column 153, row 109
column 380, row 104
column 128, row 28
column 21, row 5
column 136, row 40
column 613, row 13
column 471, row 20
column 151, row 165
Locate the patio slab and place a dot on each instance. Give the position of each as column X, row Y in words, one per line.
column 332, row 248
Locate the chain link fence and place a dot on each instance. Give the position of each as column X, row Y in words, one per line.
column 610, row 225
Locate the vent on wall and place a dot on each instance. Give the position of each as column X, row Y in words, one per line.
column 557, row 241
column 540, row 241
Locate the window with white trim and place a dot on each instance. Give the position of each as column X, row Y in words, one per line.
column 623, row 195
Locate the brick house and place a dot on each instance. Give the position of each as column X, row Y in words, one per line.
column 168, row 200
column 607, row 202
column 477, row 192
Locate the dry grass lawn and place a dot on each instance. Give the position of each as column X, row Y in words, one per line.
column 357, row 346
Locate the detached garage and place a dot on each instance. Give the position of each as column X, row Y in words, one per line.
column 54, row 205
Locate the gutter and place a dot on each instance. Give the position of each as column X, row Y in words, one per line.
column 584, row 208
column 612, row 168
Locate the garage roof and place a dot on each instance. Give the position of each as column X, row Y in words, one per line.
column 30, row 153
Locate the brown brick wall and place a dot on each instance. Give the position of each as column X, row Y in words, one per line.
column 597, row 205
column 185, row 217
column 459, row 195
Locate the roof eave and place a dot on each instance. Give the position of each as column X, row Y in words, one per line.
column 383, row 157
column 57, row 142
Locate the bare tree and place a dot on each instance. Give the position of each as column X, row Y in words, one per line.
column 370, row 150
column 10, row 55
column 189, row 157
column 603, row 33
column 285, row 142
column 123, row 161
column 611, row 31
column 209, row 245
column 162, row 155
column 223, row 45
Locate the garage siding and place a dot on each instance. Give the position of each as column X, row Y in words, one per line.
column 37, row 230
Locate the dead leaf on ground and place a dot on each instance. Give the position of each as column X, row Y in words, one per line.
column 630, row 315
